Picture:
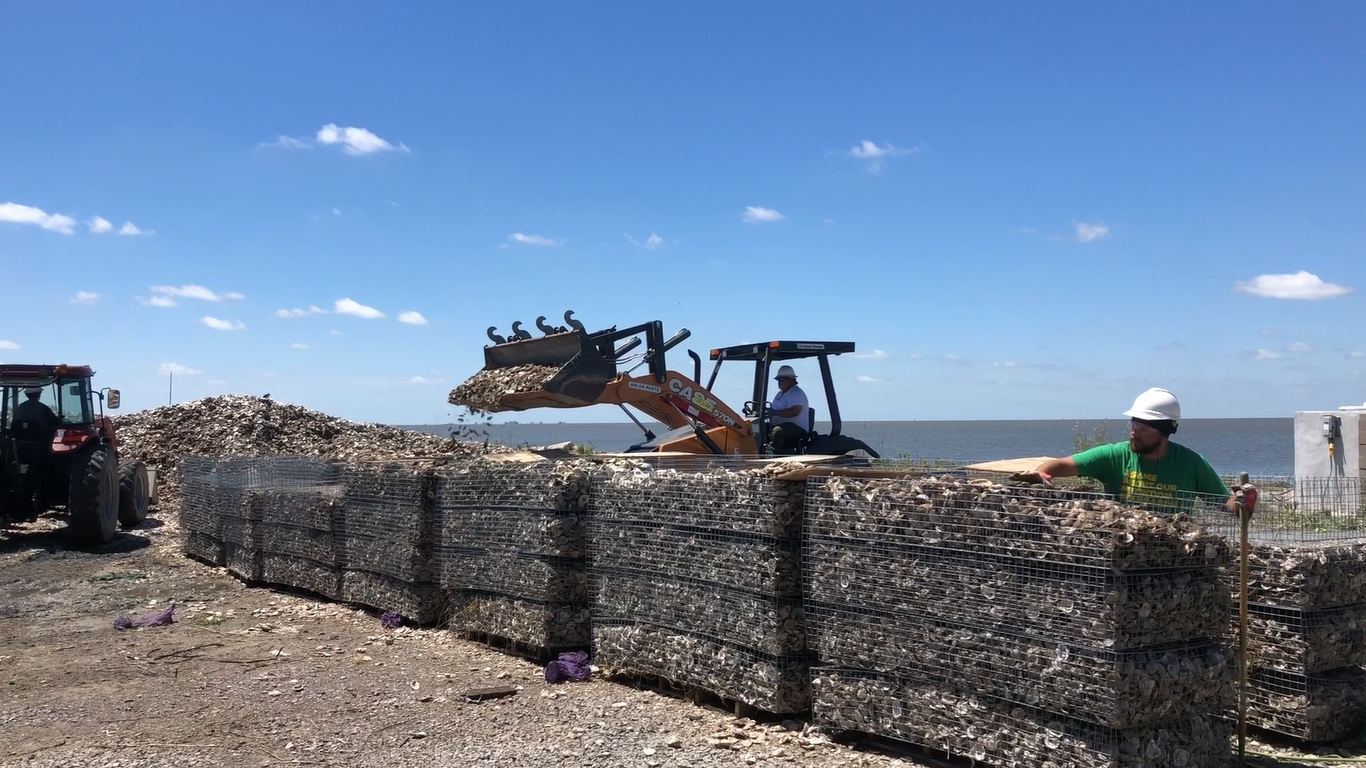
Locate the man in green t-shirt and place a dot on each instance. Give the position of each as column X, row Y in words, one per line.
column 1148, row 469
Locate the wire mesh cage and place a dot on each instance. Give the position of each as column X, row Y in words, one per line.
column 1327, row 706
column 999, row 733
column 706, row 567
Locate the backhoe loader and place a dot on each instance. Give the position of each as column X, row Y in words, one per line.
column 697, row 420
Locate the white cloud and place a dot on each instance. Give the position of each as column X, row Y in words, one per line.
column 27, row 214
column 1262, row 354
column 1086, row 233
column 158, row 301
column 1355, row 355
column 534, row 239
column 99, row 224
column 8, row 344
column 217, row 382
column 221, row 325
column 297, row 312
column 183, row 370
column 412, row 318
column 349, row 307
column 1301, row 285
column 298, row 345
column 336, row 332
column 287, row 142
column 1299, row 346
column 875, row 155
column 84, row 297
column 652, row 243
column 829, row 221
column 129, row 229
column 192, row 292
column 867, row 379
column 759, row 213
column 355, row 141
column 876, row 354
column 336, row 211
column 417, row 380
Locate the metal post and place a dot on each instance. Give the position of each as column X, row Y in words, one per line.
column 170, row 389
column 1243, row 516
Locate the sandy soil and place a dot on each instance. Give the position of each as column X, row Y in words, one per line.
column 253, row 677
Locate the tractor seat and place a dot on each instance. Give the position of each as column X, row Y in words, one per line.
column 804, row 442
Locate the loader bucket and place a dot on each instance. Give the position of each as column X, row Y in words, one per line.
column 584, row 370
column 555, row 349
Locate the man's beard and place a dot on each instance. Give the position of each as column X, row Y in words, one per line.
column 1140, row 446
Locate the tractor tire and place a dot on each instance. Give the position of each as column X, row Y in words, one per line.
column 92, row 504
column 133, row 493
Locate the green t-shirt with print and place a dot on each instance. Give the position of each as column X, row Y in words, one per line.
column 1180, row 475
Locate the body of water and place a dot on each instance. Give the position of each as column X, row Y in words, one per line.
column 1256, row 446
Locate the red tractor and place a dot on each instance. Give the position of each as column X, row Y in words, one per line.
column 58, row 449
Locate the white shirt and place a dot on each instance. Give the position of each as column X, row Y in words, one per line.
column 784, row 400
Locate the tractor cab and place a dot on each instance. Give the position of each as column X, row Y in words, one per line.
column 59, row 449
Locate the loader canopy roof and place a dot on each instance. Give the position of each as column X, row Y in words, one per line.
column 22, row 375
column 782, row 350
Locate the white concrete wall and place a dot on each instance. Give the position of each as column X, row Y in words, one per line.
column 1345, row 466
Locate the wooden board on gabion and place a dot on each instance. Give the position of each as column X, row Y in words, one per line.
column 301, row 573
column 546, row 626
column 751, row 562
column 1004, row 735
column 1305, row 642
column 1324, row 707
column 745, row 502
column 1098, row 607
column 767, row 624
column 1032, row 526
column 517, row 575
column 487, row 484
column 420, row 603
column 1117, row 689
column 1309, row 575
column 779, row 684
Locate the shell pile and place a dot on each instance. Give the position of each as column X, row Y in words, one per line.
column 1055, row 604
column 245, row 425
column 696, row 577
column 511, row 550
column 987, row 730
column 483, row 390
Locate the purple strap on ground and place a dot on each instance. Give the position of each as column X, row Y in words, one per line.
column 572, row 665
column 154, row 619
column 390, row 620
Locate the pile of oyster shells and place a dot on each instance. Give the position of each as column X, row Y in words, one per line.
column 990, row 731
column 483, row 390
column 511, row 549
column 695, row 572
column 246, row 425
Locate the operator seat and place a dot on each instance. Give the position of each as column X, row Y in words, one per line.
column 32, row 441
column 804, row 443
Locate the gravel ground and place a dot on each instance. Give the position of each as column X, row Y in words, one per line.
column 253, row 677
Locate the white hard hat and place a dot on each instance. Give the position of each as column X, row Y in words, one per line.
column 785, row 372
column 1156, row 405
column 33, row 390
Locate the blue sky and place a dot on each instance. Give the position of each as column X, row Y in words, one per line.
column 1014, row 213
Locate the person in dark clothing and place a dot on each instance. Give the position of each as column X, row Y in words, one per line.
column 42, row 422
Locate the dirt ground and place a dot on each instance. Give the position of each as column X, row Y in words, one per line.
column 253, row 677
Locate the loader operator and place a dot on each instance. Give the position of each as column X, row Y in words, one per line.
column 43, row 422
column 787, row 413
column 1149, row 468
